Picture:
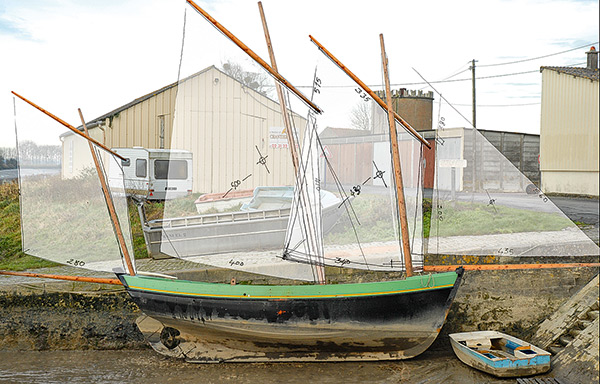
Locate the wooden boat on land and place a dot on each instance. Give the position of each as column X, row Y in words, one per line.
column 202, row 322
column 499, row 354
column 380, row 311
column 350, row 320
column 377, row 310
column 64, row 219
column 291, row 321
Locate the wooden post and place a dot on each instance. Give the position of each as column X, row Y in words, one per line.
column 254, row 56
column 396, row 162
column 505, row 267
column 83, row 279
column 109, row 203
column 377, row 99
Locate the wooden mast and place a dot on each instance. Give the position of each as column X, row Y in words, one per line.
column 320, row 270
column 109, row 203
column 254, row 56
column 72, row 128
column 90, row 141
column 280, row 95
column 396, row 162
column 370, row 92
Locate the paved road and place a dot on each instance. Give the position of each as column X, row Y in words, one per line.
column 585, row 210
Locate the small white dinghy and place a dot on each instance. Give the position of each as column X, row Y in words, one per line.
column 499, row 354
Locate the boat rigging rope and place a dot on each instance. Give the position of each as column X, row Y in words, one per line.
column 182, row 45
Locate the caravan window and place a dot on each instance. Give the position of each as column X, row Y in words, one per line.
column 170, row 169
column 140, row 168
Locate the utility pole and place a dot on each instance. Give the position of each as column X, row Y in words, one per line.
column 474, row 102
column 474, row 126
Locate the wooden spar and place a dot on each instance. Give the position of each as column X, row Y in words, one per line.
column 82, row 279
column 280, row 95
column 320, row 269
column 254, row 56
column 109, row 203
column 366, row 88
column 396, row 162
column 72, row 128
column 498, row 267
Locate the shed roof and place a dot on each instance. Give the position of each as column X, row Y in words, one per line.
column 100, row 119
column 586, row 73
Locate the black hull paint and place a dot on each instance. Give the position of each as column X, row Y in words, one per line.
column 374, row 327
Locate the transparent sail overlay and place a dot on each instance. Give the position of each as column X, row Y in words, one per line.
column 351, row 166
column 483, row 205
column 64, row 213
column 304, row 236
column 228, row 116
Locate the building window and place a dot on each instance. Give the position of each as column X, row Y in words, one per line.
column 161, row 131
column 141, row 167
column 170, row 169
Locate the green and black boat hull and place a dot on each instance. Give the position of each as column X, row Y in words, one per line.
column 206, row 322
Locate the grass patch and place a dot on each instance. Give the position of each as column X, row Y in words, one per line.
column 471, row 219
column 25, row 262
column 183, row 206
column 12, row 257
column 375, row 221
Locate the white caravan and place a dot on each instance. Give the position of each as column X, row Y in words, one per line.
column 157, row 174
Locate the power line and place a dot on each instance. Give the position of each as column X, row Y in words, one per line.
column 443, row 98
column 498, row 105
column 538, row 57
column 483, row 77
column 448, row 79
column 458, row 73
column 441, row 81
column 451, row 76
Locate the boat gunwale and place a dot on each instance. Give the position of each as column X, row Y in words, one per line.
column 285, row 292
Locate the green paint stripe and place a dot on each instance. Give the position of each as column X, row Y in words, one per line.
column 247, row 296
column 201, row 289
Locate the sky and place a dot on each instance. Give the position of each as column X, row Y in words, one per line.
column 99, row 55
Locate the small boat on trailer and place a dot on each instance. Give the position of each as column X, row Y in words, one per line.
column 499, row 354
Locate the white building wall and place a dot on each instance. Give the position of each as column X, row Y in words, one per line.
column 221, row 123
column 569, row 134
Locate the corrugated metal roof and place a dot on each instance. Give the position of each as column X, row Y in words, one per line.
column 586, row 73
